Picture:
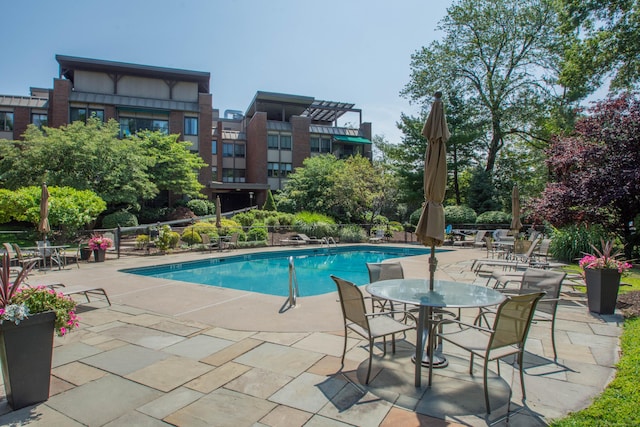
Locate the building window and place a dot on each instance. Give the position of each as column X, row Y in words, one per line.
column 285, row 142
column 314, row 143
column 214, row 147
column 80, row 114
column 214, row 173
column 325, row 145
column 227, row 175
column 132, row 125
column 98, row 114
column 239, row 175
column 285, row 169
column 190, row 125
column 272, row 141
column 233, row 175
column 238, row 150
column 6, row 121
column 39, row 119
column 273, row 170
column 227, row 150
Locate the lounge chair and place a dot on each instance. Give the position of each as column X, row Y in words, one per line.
column 377, row 237
column 207, row 242
column 232, row 243
column 80, row 290
column 478, row 240
column 295, row 240
column 517, row 262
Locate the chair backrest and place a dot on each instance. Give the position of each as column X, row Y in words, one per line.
column 206, row 239
column 352, row 303
column 532, row 248
column 548, row 281
column 9, row 250
column 43, row 248
column 304, row 237
column 543, row 251
column 234, row 238
column 513, row 319
column 18, row 251
column 384, row 271
column 480, row 235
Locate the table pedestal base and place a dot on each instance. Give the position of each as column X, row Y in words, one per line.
column 439, row 361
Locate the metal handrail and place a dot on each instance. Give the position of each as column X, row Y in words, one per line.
column 293, row 284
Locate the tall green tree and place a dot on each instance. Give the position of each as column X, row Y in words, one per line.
column 482, row 195
column 499, row 56
column 83, row 156
column 173, row 167
column 603, row 41
column 91, row 156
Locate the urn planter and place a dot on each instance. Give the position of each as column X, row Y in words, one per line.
column 602, row 289
column 25, row 354
column 99, row 255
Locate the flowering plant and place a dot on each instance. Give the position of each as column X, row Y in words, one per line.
column 18, row 303
column 98, row 241
column 604, row 259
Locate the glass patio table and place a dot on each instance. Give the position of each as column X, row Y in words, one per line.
column 445, row 294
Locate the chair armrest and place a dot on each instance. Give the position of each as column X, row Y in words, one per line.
column 461, row 324
column 386, row 313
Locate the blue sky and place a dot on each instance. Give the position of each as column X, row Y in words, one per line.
column 355, row 51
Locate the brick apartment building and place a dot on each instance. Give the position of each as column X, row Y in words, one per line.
column 247, row 152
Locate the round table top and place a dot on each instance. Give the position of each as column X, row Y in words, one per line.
column 444, row 294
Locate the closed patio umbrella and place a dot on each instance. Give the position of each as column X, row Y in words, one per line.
column 218, row 213
column 430, row 230
column 44, row 226
column 516, row 225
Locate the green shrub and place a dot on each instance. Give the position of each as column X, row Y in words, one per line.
column 119, row 218
column 201, row 207
column 395, row 226
column 153, row 215
column 459, row 215
column 285, row 219
column 141, row 241
column 316, row 229
column 415, row 217
column 246, row 219
column 272, row 222
column 493, row 217
column 311, row 217
column 569, row 243
column 352, row 234
column 257, row 233
column 190, row 236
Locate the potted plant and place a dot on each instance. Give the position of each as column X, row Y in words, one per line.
column 28, row 318
column 99, row 245
column 602, row 272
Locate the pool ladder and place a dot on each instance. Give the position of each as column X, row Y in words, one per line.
column 328, row 241
column 293, row 284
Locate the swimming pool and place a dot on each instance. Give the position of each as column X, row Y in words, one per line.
column 268, row 272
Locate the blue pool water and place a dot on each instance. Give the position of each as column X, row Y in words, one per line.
column 268, row 272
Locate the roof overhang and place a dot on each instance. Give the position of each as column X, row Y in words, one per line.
column 68, row 64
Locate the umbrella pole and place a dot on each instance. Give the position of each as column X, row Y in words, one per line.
column 433, row 263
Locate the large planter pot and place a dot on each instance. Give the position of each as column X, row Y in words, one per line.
column 85, row 254
column 25, row 354
column 602, row 289
column 99, row 255
column 521, row 246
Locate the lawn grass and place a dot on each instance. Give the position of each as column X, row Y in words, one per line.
column 618, row 404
